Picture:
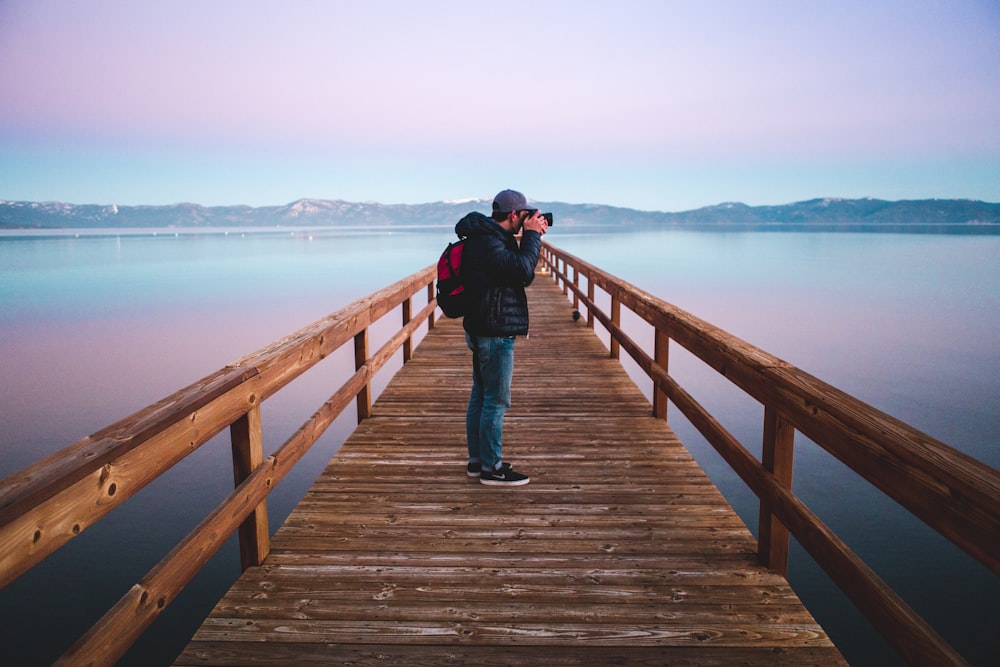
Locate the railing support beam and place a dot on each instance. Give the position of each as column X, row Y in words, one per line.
column 247, row 438
column 590, row 301
column 360, row 357
column 408, row 343
column 430, row 297
column 576, row 284
column 661, row 350
column 616, row 319
column 776, row 457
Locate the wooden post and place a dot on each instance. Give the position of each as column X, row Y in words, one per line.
column 616, row 319
column 247, row 439
column 408, row 343
column 576, row 284
column 430, row 297
column 661, row 353
column 590, row 297
column 776, row 456
column 360, row 357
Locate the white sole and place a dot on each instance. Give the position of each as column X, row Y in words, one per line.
column 503, row 482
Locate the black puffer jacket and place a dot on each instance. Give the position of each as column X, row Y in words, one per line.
column 497, row 270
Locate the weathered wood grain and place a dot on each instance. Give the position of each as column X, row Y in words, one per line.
column 946, row 489
column 620, row 551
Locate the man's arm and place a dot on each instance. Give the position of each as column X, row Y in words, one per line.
column 517, row 266
column 513, row 266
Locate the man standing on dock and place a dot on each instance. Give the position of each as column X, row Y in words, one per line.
column 497, row 269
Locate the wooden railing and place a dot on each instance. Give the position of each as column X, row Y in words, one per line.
column 946, row 489
column 53, row 501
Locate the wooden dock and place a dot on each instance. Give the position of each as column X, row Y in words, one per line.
column 620, row 551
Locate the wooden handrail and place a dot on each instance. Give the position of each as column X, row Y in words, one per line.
column 49, row 503
column 948, row 490
column 52, row 501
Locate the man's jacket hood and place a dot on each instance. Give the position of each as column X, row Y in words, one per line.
column 477, row 224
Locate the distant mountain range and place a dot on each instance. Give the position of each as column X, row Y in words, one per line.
column 822, row 213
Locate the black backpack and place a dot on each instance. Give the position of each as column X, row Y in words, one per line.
column 452, row 296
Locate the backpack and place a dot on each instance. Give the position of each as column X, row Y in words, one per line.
column 452, row 297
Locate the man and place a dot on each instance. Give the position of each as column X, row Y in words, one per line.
column 496, row 268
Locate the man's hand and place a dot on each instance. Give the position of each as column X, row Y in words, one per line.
column 537, row 223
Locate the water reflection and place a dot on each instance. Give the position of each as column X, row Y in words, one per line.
column 97, row 327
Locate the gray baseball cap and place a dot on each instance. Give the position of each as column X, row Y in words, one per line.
column 507, row 201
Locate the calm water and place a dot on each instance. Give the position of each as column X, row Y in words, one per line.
column 96, row 327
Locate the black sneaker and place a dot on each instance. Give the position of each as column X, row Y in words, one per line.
column 474, row 468
column 505, row 476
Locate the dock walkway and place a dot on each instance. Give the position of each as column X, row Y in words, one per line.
column 619, row 551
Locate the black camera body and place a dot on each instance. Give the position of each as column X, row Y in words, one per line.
column 548, row 218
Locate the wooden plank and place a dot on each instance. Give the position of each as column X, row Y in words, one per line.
column 619, row 550
column 238, row 654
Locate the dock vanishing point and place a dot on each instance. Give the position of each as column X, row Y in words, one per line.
column 619, row 551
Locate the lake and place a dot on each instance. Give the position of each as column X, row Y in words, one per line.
column 97, row 326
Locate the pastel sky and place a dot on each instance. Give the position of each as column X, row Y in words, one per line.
column 657, row 104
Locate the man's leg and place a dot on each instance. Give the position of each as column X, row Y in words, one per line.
column 496, row 368
column 474, row 411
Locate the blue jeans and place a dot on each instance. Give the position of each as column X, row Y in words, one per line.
column 492, row 371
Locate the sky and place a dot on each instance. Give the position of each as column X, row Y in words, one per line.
column 656, row 105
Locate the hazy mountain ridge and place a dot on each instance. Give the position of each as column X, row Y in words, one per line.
column 326, row 212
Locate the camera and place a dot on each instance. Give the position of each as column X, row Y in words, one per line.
column 548, row 218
